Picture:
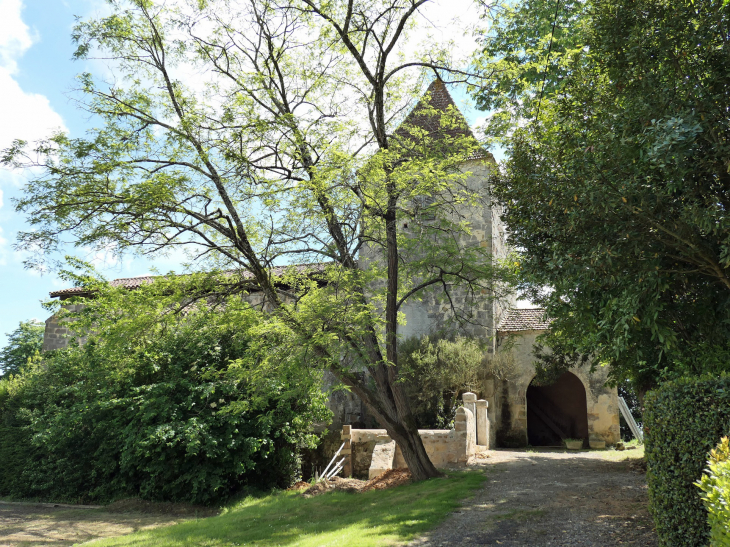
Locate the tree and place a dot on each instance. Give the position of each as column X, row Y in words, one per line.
column 192, row 405
column 527, row 55
column 23, row 343
column 617, row 193
column 281, row 149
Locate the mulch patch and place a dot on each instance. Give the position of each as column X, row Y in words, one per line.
column 389, row 479
column 301, row 485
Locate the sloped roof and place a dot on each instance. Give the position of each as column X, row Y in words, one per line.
column 518, row 320
column 128, row 282
column 137, row 282
column 438, row 98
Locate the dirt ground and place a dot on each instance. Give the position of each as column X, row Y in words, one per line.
column 44, row 524
column 553, row 498
column 389, row 479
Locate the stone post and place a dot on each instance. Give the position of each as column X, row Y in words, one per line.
column 464, row 434
column 482, row 423
column 470, row 403
column 347, row 450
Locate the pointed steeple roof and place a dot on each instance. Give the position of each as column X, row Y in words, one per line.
column 426, row 116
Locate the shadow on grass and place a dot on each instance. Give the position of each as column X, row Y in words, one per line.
column 337, row 518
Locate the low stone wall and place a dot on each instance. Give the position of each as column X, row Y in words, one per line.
column 372, row 451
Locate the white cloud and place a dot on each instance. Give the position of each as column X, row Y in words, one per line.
column 15, row 36
column 27, row 116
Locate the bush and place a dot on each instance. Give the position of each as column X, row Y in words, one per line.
column 683, row 420
column 191, row 409
column 715, row 486
column 437, row 369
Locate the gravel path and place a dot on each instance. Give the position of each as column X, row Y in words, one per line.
column 553, row 498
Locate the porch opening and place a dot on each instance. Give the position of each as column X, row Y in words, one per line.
column 557, row 412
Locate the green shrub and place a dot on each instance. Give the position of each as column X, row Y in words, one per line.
column 437, row 369
column 715, row 486
column 191, row 408
column 683, row 420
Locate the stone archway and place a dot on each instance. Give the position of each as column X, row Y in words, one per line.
column 557, row 411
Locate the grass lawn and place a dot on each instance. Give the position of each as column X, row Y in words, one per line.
column 378, row 517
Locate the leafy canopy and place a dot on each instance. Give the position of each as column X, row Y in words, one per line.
column 617, row 194
column 257, row 134
column 23, row 343
column 168, row 399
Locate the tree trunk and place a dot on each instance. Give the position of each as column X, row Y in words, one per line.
column 414, row 453
column 392, row 411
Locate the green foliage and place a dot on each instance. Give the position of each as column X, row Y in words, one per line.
column 683, row 420
column 626, row 220
column 295, row 147
column 514, row 57
column 368, row 519
column 715, row 486
column 188, row 406
column 23, row 343
column 436, row 370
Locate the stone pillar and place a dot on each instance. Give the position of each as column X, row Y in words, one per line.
column 347, row 451
column 470, row 403
column 464, row 434
column 482, row 423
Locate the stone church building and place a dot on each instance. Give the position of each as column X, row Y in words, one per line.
column 577, row 405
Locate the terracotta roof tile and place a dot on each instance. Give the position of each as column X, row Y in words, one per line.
column 128, row 282
column 136, row 282
column 524, row 319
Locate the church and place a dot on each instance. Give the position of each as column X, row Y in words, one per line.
column 578, row 405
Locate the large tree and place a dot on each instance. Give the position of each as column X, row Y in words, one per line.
column 617, row 184
column 23, row 343
column 264, row 134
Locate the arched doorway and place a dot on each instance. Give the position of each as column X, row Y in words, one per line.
column 557, row 412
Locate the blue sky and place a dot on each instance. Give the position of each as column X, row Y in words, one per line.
column 36, row 76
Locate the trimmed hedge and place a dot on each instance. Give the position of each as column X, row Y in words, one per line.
column 683, row 421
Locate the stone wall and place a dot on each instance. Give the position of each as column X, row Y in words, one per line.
column 373, row 451
column 432, row 312
column 56, row 334
column 508, row 399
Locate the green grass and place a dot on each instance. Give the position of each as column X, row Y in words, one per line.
column 623, row 455
column 382, row 517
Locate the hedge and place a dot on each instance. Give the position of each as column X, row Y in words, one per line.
column 683, row 421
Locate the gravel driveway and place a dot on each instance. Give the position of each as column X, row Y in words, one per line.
column 555, row 498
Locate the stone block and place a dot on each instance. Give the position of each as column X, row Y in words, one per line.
column 382, row 460
column 470, row 401
column 482, row 422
